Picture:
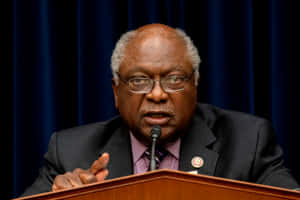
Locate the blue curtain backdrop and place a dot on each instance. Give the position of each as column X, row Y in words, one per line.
column 57, row 66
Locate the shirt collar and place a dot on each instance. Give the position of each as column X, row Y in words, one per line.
column 138, row 148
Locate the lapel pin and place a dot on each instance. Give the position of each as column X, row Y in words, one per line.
column 197, row 162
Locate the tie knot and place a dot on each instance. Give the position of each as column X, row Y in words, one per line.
column 160, row 153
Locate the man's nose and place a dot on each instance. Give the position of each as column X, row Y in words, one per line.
column 157, row 93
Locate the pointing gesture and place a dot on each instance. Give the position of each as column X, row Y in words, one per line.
column 78, row 177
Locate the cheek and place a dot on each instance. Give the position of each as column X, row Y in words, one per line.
column 185, row 105
column 129, row 105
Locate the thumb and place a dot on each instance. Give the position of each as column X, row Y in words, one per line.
column 100, row 176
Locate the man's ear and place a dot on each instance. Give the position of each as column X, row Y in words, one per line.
column 115, row 90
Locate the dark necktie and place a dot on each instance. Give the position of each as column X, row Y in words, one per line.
column 160, row 153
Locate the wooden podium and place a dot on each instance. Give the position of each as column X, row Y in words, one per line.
column 170, row 185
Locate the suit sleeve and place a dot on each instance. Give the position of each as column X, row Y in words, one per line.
column 48, row 172
column 268, row 167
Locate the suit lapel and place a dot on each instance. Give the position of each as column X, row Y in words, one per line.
column 195, row 144
column 119, row 149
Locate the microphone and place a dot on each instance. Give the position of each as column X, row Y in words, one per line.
column 155, row 134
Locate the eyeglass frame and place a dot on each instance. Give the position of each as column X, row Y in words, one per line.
column 185, row 78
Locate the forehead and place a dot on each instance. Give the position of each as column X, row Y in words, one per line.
column 155, row 52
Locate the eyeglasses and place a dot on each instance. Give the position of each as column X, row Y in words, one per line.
column 172, row 83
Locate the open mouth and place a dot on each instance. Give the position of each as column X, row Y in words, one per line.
column 157, row 118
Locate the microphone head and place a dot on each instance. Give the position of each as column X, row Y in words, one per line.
column 155, row 131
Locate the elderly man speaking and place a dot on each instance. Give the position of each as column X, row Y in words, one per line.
column 155, row 76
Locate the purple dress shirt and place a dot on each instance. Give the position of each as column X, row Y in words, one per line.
column 141, row 162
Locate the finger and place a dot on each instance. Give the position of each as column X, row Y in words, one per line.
column 74, row 179
column 87, row 177
column 78, row 171
column 100, row 164
column 54, row 188
column 101, row 176
column 61, row 182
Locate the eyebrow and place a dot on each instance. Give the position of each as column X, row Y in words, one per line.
column 143, row 70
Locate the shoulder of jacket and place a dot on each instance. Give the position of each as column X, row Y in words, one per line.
column 96, row 127
column 212, row 114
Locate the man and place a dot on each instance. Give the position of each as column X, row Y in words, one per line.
column 155, row 76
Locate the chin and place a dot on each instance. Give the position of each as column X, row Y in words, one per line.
column 168, row 133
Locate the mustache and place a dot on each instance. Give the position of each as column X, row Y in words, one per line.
column 164, row 110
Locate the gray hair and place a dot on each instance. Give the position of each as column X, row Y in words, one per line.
column 119, row 51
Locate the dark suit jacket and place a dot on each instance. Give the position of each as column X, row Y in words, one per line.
column 233, row 145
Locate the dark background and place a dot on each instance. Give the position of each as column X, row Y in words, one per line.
column 56, row 67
